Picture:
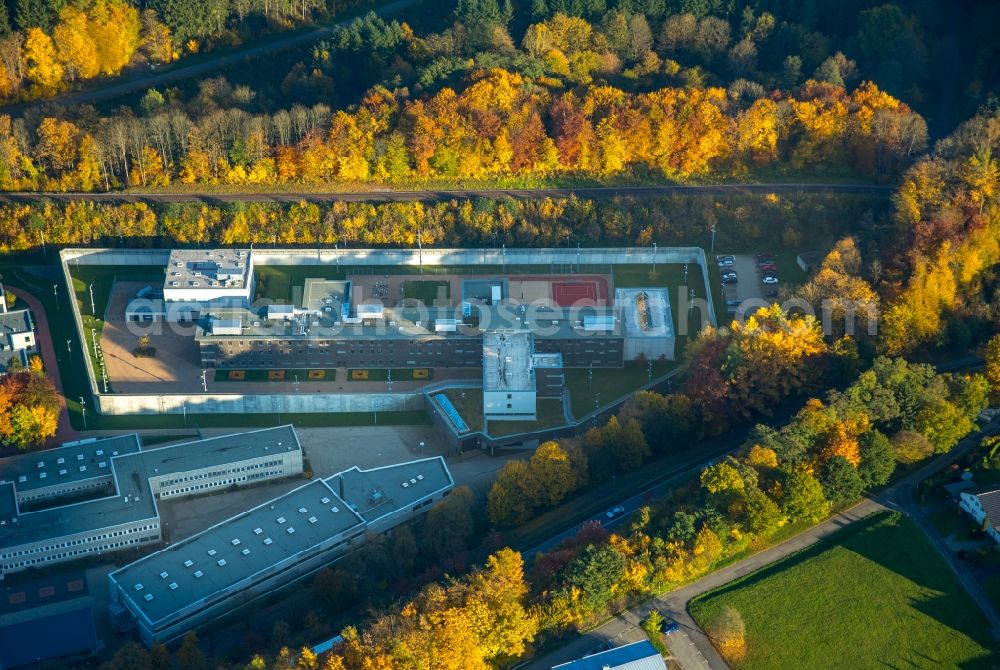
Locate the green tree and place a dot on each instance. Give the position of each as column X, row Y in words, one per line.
column 992, row 367
column 32, row 14
column 551, row 474
column 942, row 424
column 803, row 497
column 595, row 573
column 509, row 501
column 763, row 515
column 841, row 482
column 878, row 459
column 449, row 525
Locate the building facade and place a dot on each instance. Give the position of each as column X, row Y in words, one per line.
column 105, row 494
column 230, row 565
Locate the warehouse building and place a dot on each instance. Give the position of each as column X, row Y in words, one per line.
column 99, row 496
column 231, row 564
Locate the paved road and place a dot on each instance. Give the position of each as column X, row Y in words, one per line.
column 141, row 81
column 404, row 195
column 625, row 627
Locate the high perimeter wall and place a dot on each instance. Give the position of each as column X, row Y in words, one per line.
column 239, row 403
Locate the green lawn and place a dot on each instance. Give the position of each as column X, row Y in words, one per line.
column 290, row 375
column 427, row 291
column 548, row 414
column 610, row 383
column 875, row 595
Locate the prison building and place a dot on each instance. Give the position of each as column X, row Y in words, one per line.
column 647, row 323
column 230, row 565
column 106, row 491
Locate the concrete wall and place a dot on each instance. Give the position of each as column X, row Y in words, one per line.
column 238, row 403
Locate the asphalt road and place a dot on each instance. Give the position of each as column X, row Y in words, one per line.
column 402, row 195
column 130, row 83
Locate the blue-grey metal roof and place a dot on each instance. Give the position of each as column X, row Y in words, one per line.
column 640, row 655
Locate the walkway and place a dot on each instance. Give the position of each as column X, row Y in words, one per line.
column 65, row 432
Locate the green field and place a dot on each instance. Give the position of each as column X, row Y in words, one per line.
column 610, row 383
column 875, row 595
column 469, row 403
column 427, row 291
column 548, row 414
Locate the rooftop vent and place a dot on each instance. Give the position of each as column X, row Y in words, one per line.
column 138, row 587
column 420, row 477
column 245, row 552
column 413, row 481
column 148, row 597
column 212, row 552
column 221, row 562
column 79, row 457
column 42, row 476
column 406, row 484
column 257, row 531
column 198, row 573
column 236, row 541
column 62, row 472
column 302, row 510
column 188, row 563
column 60, row 461
column 102, row 464
column 22, row 479
column 99, row 452
column 325, row 501
column 312, row 519
column 334, row 509
column 83, row 468
column 289, row 530
column 163, row 575
column 281, row 519
column 267, row 540
column 173, row 586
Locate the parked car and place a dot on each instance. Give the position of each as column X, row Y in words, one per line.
column 668, row 626
column 725, row 261
column 729, row 280
column 765, row 255
column 729, row 274
column 768, row 269
column 769, row 279
column 615, row 512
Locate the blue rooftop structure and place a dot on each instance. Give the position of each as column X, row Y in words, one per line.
column 58, row 636
column 452, row 412
column 640, row 655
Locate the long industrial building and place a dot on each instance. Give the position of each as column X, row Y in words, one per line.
column 233, row 563
column 99, row 496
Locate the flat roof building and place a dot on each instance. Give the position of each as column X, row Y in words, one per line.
column 230, row 564
column 209, row 277
column 51, row 524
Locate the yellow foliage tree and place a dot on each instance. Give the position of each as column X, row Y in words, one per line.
column 41, row 65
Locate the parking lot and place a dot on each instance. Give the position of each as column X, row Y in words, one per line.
column 748, row 285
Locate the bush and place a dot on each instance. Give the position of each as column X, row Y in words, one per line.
column 911, row 447
column 729, row 634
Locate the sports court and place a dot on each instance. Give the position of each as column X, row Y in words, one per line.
column 583, row 290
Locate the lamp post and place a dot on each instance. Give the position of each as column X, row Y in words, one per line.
column 421, row 448
column 83, row 411
column 69, row 349
column 93, row 309
column 55, row 292
column 204, row 381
